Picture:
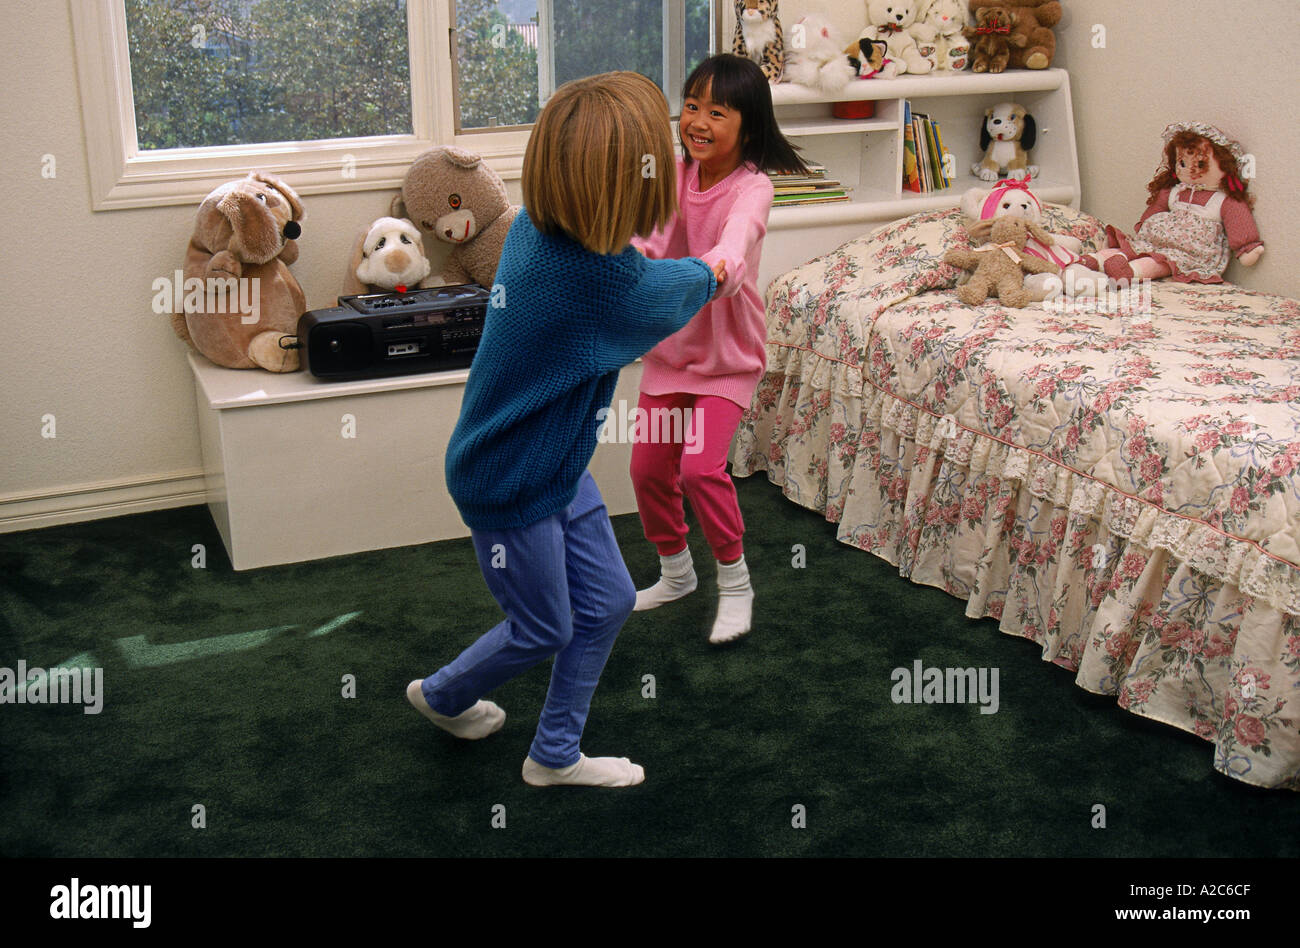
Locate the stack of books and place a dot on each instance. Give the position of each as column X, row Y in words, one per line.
column 924, row 166
column 811, row 188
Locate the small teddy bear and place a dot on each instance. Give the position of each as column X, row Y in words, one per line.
column 991, row 38
column 245, row 301
column 1012, row 198
column 388, row 256
column 449, row 192
column 894, row 21
column 1032, row 42
column 1000, row 265
column 758, row 36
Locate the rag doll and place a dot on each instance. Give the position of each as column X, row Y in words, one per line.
column 758, row 36
column 1198, row 214
column 1012, row 198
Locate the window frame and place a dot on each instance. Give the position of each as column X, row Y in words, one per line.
column 121, row 176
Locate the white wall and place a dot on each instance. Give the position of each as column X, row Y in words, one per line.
column 82, row 343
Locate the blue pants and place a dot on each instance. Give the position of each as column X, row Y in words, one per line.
column 566, row 592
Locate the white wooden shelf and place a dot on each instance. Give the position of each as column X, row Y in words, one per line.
column 866, row 155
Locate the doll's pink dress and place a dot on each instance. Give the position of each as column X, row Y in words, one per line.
column 1195, row 241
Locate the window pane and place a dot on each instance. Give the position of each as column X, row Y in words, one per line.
column 594, row 36
column 496, row 62
column 698, row 36
column 232, row 72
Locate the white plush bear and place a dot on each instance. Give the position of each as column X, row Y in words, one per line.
column 1012, row 198
column 949, row 49
column 895, row 22
column 815, row 58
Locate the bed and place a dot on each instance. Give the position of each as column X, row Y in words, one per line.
column 1115, row 481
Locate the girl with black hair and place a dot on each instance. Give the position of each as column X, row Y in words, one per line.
column 707, row 371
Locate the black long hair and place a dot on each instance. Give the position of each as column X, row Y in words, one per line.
column 739, row 84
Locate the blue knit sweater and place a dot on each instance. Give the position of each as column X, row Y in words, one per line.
column 566, row 322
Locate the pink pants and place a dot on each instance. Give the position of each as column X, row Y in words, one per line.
column 695, row 465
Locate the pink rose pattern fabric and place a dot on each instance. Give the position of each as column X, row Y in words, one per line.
column 1121, row 491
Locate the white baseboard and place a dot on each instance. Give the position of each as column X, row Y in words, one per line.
column 34, row 509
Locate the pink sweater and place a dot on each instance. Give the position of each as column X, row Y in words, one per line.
column 722, row 350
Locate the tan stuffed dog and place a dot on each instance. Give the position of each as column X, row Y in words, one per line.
column 1001, row 265
column 388, row 256
column 450, row 193
column 244, row 239
column 1009, row 131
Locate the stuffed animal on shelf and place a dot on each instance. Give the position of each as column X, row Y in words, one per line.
column 758, row 36
column 1198, row 214
column 1012, row 198
column 1033, row 44
column 450, row 193
column 1009, row 131
column 1000, row 265
column 245, row 301
column 990, row 38
column 950, row 48
column 872, row 58
column 815, row 57
column 893, row 22
column 388, row 256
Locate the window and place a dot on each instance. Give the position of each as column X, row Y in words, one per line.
column 179, row 96
column 512, row 54
column 233, row 72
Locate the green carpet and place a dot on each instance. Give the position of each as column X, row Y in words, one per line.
column 795, row 719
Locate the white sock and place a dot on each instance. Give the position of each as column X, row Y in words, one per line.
column 484, row 718
column 735, row 603
column 587, row 772
column 676, row 579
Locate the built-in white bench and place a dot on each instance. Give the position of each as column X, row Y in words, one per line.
column 299, row 469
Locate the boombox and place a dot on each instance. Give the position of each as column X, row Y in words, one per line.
column 378, row 334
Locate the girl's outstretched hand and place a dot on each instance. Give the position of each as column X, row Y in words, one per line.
column 720, row 272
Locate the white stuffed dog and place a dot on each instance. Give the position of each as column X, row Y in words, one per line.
column 390, row 256
column 1012, row 198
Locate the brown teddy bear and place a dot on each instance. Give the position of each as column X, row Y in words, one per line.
column 1033, row 44
column 450, row 193
column 990, row 39
column 245, row 300
column 1001, row 264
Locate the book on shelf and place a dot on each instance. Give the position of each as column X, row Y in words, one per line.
column 819, row 197
column 811, row 188
column 911, row 180
column 923, row 148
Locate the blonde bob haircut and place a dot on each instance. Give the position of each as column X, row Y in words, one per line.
column 600, row 165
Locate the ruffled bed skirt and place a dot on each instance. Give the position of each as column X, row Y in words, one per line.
column 1180, row 622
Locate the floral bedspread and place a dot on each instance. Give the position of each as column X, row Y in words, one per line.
column 1120, row 486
